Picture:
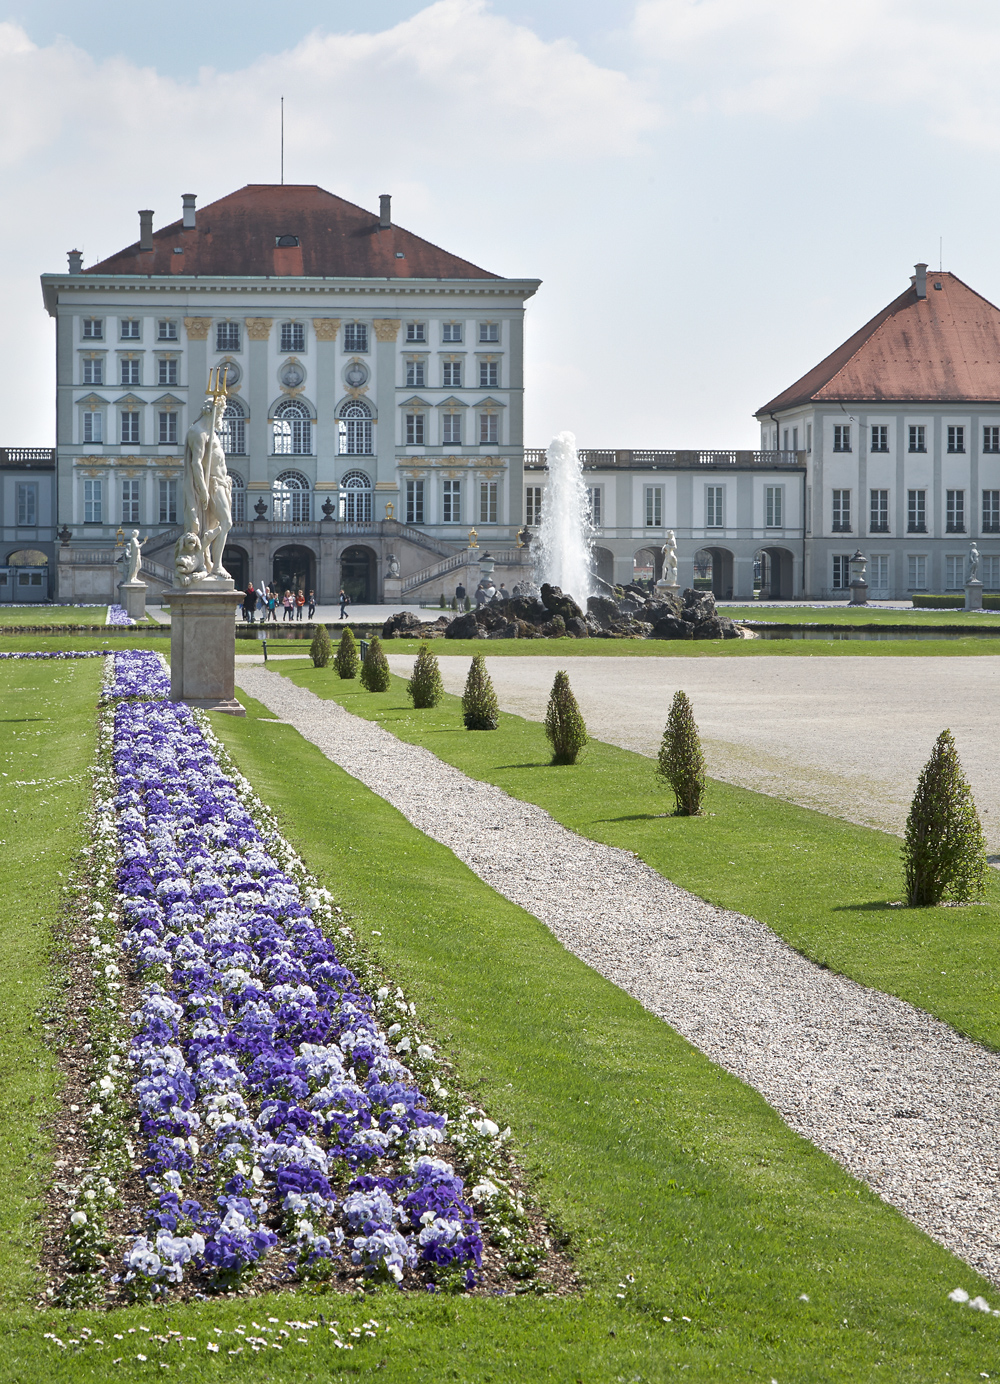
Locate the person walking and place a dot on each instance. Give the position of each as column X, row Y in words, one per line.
column 272, row 606
column 503, row 593
column 312, row 604
column 286, row 607
column 300, row 604
column 343, row 604
column 249, row 604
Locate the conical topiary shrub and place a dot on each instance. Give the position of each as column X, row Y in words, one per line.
column 563, row 723
column 347, row 662
column 425, row 687
column 681, row 764
column 944, row 851
column 480, row 708
column 320, row 649
column 374, row 667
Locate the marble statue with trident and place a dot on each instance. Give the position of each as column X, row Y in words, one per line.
column 208, row 515
column 133, row 556
column 669, row 551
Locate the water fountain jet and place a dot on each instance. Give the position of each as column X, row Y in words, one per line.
column 566, row 535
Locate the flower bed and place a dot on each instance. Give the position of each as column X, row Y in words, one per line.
column 69, row 653
column 118, row 615
column 290, row 1121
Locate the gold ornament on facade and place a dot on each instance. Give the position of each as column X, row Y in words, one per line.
column 197, row 328
column 326, row 328
column 259, row 328
column 386, row 328
column 473, row 539
column 390, row 509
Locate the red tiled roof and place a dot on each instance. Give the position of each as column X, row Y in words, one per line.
column 943, row 348
column 237, row 236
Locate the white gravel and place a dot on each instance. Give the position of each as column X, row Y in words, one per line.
column 898, row 1098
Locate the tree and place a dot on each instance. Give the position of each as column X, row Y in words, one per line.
column 347, row 662
column 375, row 668
column 480, row 708
column 681, row 764
column 425, row 687
column 944, row 851
column 467, row 603
column 563, row 723
column 320, row 649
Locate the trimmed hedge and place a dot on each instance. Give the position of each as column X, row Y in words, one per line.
column 931, row 602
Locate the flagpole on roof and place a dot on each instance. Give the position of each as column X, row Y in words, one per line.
column 282, row 141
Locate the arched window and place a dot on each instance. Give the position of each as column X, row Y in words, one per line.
column 233, row 429
column 356, row 498
column 239, row 498
column 292, row 429
column 290, row 497
column 355, row 429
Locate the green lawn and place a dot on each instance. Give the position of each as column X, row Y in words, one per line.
column 41, row 615
column 858, row 615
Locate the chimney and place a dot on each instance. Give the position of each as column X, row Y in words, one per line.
column 187, row 202
column 921, row 280
column 145, row 230
column 385, row 211
column 75, row 258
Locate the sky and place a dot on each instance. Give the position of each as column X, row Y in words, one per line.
column 715, row 193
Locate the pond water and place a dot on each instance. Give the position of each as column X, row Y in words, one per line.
column 876, row 632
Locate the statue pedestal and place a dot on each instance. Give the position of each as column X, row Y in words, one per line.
column 392, row 590
column 668, row 588
column 973, row 595
column 134, row 599
column 203, row 645
column 859, row 593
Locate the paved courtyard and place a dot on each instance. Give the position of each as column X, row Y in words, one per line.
column 847, row 736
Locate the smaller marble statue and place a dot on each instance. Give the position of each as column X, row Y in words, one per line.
column 669, row 551
column 189, row 559
column 973, row 562
column 133, row 556
column 393, row 565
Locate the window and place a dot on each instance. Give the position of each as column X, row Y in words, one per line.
column 841, row 437
column 167, row 428
column 451, row 425
column 991, row 511
column 166, row 371
column 533, row 506
column 916, row 573
column 168, row 501
column 414, row 430
column 130, row 370
column 293, row 336
column 772, row 506
column 356, row 498
column 452, row 374
column 416, row 331
column 292, row 429
column 227, row 336
column 239, row 498
column 918, row 436
column 130, row 502
column 233, row 430
column 809, row 437
column 92, row 502
column 795, row 439
column 956, row 439
column 451, row 508
column 130, row 328
column 356, row 336
column 654, row 507
column 93, row 370
column 916, row 511
column 290, row 498
column 130, row 427
column 93, row 329
column 991, row 439
column 489, row 331
column 488, row 493
column 93, row 427
column 451, row 331
column 991, row 573
column 955, row 511
column 880, row 438
column 713, row 506
column 842, row 511
column 416, row 373
column 356, row 430
column 489, row 428
column 166, row 329
column 878, row 573
column 489, row 374
column 954, row 571
column 878, row 518
column 594, row 505
column 841, row 571
column 27, row 504
column 415, row 489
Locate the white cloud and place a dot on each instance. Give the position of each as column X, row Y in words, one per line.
column 792, row 57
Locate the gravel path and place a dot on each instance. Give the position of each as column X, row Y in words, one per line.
column 847, row 736
column 897, row 1097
